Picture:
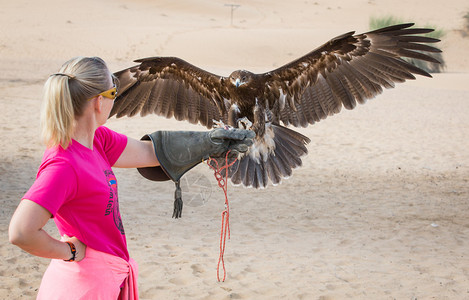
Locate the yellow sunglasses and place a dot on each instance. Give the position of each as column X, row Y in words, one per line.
column 111, row 93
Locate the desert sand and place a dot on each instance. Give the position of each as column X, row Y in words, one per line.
column 379, row 210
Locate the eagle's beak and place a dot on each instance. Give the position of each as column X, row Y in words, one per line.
column 237, row 82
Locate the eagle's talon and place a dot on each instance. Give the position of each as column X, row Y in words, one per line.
column 219, row 124
column 244, row 123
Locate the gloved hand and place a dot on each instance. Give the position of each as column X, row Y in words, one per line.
column 180, row 151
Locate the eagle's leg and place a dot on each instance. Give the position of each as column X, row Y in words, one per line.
column 244, row 123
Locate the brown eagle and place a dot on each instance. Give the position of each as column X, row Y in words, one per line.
column 345, row 70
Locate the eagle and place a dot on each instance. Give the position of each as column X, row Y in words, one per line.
column 347, row 70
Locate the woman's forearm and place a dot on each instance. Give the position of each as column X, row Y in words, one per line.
column 26, row 232
column 41, row 244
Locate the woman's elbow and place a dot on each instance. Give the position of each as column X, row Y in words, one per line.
column 15, row 236
column 21, row 236
column 26, row 222
column 20, row 232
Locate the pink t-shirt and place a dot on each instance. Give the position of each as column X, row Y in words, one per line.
column 77, row 186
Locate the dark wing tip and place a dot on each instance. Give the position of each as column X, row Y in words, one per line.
column 140, row 60
column 392, row 28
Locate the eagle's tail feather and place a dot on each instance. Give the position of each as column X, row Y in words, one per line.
column 273, row 172
column 255, row 171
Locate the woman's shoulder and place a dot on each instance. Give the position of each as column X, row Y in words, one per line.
column 108, row 139
column 103, row 132
column 105, row 135
column 60, row 158
column 57, row 157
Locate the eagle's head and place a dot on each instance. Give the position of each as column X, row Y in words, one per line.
column 240, row 78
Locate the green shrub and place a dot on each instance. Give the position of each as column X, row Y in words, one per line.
column 466, row 23
column 379, row 22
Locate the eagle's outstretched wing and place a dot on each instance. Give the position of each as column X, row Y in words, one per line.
column 170, row 87
column 346, row 70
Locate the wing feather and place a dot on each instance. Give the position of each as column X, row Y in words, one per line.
column 320, row 93
column 179, row 108
column 152, row 101
column 348, row 69
column 339, row 91
column 171, row 87
column 140, row 94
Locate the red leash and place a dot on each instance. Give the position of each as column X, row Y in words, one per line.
column 225, row 215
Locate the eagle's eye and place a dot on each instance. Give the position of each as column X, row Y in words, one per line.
column 244, row 78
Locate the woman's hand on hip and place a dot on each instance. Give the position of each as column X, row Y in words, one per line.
column 79, row 246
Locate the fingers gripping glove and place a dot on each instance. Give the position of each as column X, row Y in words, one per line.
column 180, row 151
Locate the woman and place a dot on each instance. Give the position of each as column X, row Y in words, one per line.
column 76, row 186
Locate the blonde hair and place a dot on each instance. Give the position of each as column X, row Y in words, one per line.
column 66, row 94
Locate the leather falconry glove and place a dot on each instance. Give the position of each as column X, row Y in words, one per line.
column 180, row 151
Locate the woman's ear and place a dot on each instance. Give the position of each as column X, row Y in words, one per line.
column 98, row 105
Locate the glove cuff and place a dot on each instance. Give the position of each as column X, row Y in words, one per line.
column 178, row 152
column 153, row 173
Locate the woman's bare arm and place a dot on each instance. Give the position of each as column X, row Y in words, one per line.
column 137, row 154
column 26, row 232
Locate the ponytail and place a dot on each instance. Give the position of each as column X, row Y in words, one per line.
column 65, row 97
column 57, row 115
